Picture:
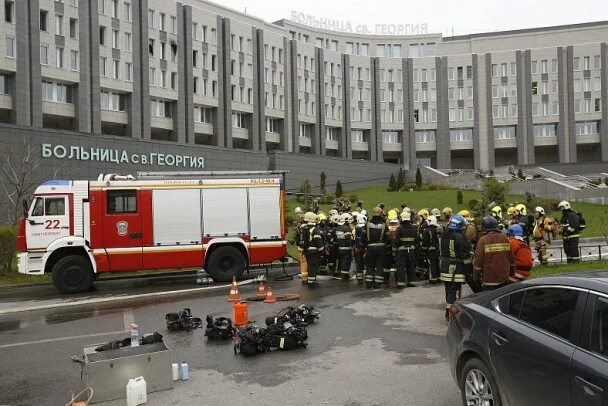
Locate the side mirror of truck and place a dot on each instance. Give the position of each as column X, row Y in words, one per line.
column 25, row 208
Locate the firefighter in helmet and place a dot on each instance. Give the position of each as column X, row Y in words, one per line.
column 300, row 224
column 446, row 213
column 571, row 227
column 389, row 261
column 342, row 237
column 375, row 238
column 404, row 247
column 543, row 233
column 359, row 248
column 496, row 212
column 422, row 265
column 311, row 243
column 430, row 243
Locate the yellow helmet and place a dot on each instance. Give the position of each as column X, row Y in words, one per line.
column 497, row 210
column 424, row 213
column 521, row 208
column 377, row 212
column 392, row 215
column 447, row 211
column 322, row 216
column 466, row 214
column 512, row 211
column 310, row 217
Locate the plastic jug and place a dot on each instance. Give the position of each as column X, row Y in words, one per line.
column 134, row 335
column 240, row 314
column 136, row 391
column 183, row 371
column 175, row 372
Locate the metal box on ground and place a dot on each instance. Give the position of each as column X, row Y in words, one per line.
column 108, row 372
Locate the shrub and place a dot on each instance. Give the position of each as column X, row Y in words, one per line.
column 322, row 185
column 392, row 183
column 339, row 191
column 400, row 179
column 328, row 198
column 418, row 178
column 352, row 197
column 547, row 204
column 432, row 187
column 459, row 197
column 473, row 205
column 493, row 192
column 606, row 181
column 409, row 186
column 8, row 241
column 520, row 174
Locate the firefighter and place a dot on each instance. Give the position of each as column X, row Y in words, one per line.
column 436, row 213
column 300, row 224
column 446, row 213
column 342, row 237
column 496, row 212
column 430, row 242
column 570, row 225
column 389, row 261
column 470, row 231
column 375, row 237
column 404, row 247
column 312, row 244
column 333, row 265
column 422, row 264
column 329, row 257
column 454, row 259
column 524, row 221
column 522, row 254
column 359, row 248
column 543, row 234
column 493, row 263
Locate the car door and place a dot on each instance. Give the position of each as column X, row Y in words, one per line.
column 589, row 367
column 122, row 229
column 529, row 344
column 48, row 220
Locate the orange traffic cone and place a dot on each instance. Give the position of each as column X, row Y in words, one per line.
column 234, row 295
column 261, row 291
column 270, row 297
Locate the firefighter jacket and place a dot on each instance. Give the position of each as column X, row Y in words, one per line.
column 493, row 263
column 570, row 224
column 342, row 237
column 391, row 230
column 522, row 254
column 359, row 238
column 544, row 228
column 375, row 233
column 313, row 239
column 523, row 221
column 454, row 256
column 430, row 239
column 406, row 237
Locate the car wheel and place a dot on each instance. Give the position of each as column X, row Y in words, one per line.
column 224, row 263
column 477, row 385
column 73, row 274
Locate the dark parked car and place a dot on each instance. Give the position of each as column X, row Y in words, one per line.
column 539, row 342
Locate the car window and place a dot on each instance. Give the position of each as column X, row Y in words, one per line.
column 599, row 330
column 122, row 201
column 511, row 304
column 551, row 309
column 54, row 206
column 38, row 209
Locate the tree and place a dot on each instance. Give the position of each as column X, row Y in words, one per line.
column 418, row 178
column 493, row 193
column 304, row 193
column 520, row 174
column 459, row 197
column 392, row 183
column 339, row 191
column 400, row 179
column 322, row 184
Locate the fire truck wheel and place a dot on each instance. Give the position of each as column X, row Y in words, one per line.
column 73, row 274
column 226, row 262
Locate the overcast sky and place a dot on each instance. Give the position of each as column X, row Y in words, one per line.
column 464, row 16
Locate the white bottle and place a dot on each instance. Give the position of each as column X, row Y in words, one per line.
column 137, row 391
column 175, row 371
column 134, row 335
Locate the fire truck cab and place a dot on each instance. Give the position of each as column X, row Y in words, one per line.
column 76, row 230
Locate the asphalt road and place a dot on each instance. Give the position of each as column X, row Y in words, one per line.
column 369, row 348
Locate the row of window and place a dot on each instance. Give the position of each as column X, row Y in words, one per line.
column 334, row 112
column 458, row 72
column 113, row 7
column 43, row 24
column 272, row 101
column 461, row 114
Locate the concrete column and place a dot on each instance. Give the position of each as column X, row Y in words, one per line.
column 564, row 107
column 185, row 77
column 95, row 81
column 291, row 88
column 604, row 96
column 375, row 137
column 139, row 104
column 483, row 122
column 346, row 142
column 34, row 64
column 442, row 137
column 408, row 141
column 223, row 55
column 524, row 105
column 21, row 89
column 221, row 91
column 287, row 130
column 571, row 126
column 318, row 144
column 84, row 85
column 529, row 142
column 258, row 137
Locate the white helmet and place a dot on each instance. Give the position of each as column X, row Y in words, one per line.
column 345, row 218
column 332, row 212
column 311, row 218
column 431, row 221
column 334, row 218
column 364, row 213
column 355, row 214
column 406, row 215
column 564, row 205
column 540, row 210
column 361, row 220
column 298, row 210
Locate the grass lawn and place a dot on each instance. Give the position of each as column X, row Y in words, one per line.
column 546, row 270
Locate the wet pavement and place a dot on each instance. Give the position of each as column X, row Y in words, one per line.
column 370, row 347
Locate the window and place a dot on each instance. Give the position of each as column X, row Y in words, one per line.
column 115, row 69
column 174, row 80
column 513, row 112
column 150, row 18
column 44, row 54
column 101, row 6
column 4, row 84
column 358, row 136
column 238, row 120
column 102, row 35
column 122, row 201
column 586, row 128
column 44, row 20
column 513, row 69
column 586, row 63
column 112, row 101
column 115, row 40
column 174, row 28
column 150, row 46
column 425, row 136
column 160, row 108
column 162, row 18
column 577, row 63
column 128, row 71
column 555, row 108
column 504, row 133
column 173, row 52
column 544, row 130
column 58, row 24
column 74, row 60
column 396, row 51
column 364, row 49
column 543, row 67
column 9, row 9
column 56, row 92
column 114, row 8
column 390, row 137
column 550, row 309
column 534, row 87
column 461, row 135
column 152, row 76
column 599, row 329
column 597, row 62
column 554, row 66
column 59, row 57
column 450, row 73
column 9, row 46
column 414, row 52
column 202, row 114
column 348, row 49
column 598, row 105
column 102, row 66
column 127, row 8
column 54, row 206
column 127, row 44
column 73, row 28
column 534, row 67
column 494, row 70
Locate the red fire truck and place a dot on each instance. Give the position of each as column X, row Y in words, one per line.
column 76, row 230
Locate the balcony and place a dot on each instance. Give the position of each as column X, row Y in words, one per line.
column 391, row 146
column 161, row 122
column 588, row 139
column 304, row 141
column 112, row 116
column 6, row 102
column 58, row 109
column 545, row 141
column 426, row 146
column 459, row 145
column 240, row 133
column 273, row 137
column 331, row 144
column 203, row 128
column 505, row 143
column 360, row 146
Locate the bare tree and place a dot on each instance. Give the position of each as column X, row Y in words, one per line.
column 18, row 177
